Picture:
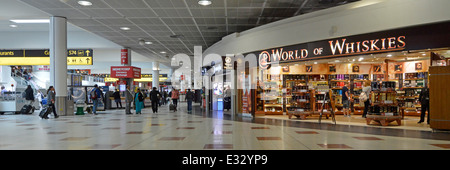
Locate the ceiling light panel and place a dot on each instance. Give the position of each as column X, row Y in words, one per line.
column 85, row 3
column 95, row 4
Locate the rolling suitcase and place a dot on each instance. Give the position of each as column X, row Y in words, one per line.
column 45, row 111
column 171, row 106
column 26, row 109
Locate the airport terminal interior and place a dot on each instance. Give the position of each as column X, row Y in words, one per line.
column 224, row 75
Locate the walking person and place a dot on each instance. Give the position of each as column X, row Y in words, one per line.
column 117, row 98
column 51, row 96
column 345, row 100
column 29, row 95
column 129, row 100
column 164, row 96
column 424, row 99
column 366, row 90
column 189, row 98
column 155, row 97
column 138, row 101
column 175, row 96
column 96, row 95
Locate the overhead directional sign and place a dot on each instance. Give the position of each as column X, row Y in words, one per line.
column 42, row 57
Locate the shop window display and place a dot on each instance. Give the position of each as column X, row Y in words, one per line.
column 396, row 85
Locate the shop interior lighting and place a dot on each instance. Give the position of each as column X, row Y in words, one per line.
column 163, row 52
column 85, row 3
column 30, row 21
column 148, row 42
column 13, row 26
column 204, row 2
column 389, row 55
column 360, row 59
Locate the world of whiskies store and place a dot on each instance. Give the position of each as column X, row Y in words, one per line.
column 294, row 81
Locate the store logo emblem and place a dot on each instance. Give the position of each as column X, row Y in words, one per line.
column 263, row 60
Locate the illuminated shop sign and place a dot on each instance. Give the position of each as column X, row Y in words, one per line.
column 411, row 38
column 332, row 48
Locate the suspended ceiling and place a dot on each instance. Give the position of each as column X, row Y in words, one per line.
column 157, row 20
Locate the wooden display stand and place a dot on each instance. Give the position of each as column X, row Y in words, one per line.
column 383, row 120
column 378, row 100
column 439, row 97
column 315, row 111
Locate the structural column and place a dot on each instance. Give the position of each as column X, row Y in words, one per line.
column 125, row 57
column 155, row 75
column 58, row 61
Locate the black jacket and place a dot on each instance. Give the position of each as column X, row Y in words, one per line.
column 424, row 96
column 116, row 95
column 29, row 94
column 189, row 96
column 154, row 95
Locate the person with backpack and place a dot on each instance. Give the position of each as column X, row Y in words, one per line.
column 175, row 96
column 96, row 95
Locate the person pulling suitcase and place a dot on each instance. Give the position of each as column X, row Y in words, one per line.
column 51, row 104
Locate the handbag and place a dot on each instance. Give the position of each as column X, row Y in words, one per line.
column 363, row 97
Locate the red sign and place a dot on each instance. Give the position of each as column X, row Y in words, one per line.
column 124, row 56
column 121, row 82
column 125, row 72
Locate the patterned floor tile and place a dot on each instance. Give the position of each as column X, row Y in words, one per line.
column 367, row 138
column 268, row 138
column 306, row 132
column 218, row 146
column 335, row 146
column 444, row 146
column 172, row 138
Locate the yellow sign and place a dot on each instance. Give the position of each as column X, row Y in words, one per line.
column 79, row 60
column 109, row 79
column 17, row 61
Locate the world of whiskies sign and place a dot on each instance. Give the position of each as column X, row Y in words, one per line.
column 42, row 57
column 404, row 39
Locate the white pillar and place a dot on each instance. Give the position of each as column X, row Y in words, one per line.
column 155, row 75
column 58, row 61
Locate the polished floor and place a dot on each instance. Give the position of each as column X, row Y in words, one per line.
column 113, row 130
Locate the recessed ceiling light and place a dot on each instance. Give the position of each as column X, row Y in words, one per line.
column 148, row 42
column 125, row 28
column 13, row 26
column 204, row 2
column 30, row 21
column 85, row 3
column 389, row 55
column 163, row 52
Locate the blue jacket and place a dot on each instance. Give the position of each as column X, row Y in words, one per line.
column 99, row 93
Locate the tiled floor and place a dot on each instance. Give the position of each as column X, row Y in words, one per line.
column 181, row 131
